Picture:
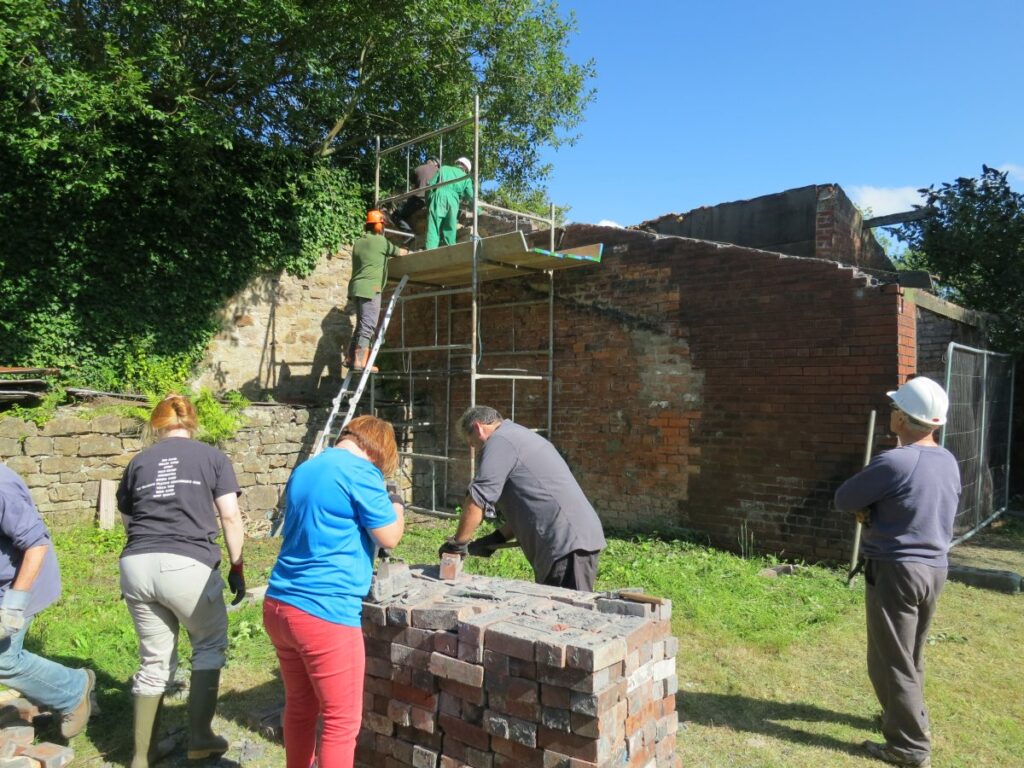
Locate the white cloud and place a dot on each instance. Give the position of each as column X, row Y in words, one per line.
column 609, row 223
column 1015, row 171
column 885, row 200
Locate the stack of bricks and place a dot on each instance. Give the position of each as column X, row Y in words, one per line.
column 477, row 672
column 17, row 737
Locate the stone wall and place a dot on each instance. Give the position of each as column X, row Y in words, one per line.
column 63, row 462
column 284, row 336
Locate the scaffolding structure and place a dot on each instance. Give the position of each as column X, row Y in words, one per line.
column 448, row 281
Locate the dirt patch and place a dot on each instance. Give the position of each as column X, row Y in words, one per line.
column 1000, row 547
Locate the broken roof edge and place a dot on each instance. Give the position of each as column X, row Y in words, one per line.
column 876, row 277
column 812, row 220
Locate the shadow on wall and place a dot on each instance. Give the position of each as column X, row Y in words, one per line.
column 283, row 381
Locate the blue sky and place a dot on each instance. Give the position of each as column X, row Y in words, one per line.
column 700, row 103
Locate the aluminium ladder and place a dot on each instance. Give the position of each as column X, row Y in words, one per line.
column 323, row 437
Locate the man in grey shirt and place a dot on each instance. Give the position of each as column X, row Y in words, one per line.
column 911, row 493
column 544, row 507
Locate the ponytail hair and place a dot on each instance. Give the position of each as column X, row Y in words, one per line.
column 173, row 412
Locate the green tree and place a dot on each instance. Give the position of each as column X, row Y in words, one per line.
column 974, row 243
column 157, row 154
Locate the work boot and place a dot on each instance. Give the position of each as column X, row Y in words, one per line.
column 147, row 721
column 202, row 703
column 362, row 358
column 887, row 754
column 73, row 723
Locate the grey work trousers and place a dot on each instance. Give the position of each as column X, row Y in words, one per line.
column 577, row 570
column 900, row 602
column 164, row 591
column 367, row 315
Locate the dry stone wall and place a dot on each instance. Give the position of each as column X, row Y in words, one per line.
column 284, row 336
column 63, row 461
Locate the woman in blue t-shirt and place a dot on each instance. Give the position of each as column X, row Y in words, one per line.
column 171, row 495
column 337, row 509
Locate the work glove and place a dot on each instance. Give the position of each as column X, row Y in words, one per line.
column 12, row 611
column 393, row 494
column 236, row 582
column 487, row 545
column 452, row 547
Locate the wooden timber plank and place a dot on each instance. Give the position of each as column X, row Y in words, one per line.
column 29, row 371
column 24, row 383
column 502, row 256
column 106, row 504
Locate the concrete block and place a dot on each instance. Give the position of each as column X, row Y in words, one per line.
column 983, row 578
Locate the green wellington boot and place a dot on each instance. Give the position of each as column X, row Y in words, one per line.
column 202, row 703
column 147, row 718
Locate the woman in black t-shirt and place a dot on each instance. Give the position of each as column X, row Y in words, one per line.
column 170, row 496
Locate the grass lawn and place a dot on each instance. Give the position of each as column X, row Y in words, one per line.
column 771, row 672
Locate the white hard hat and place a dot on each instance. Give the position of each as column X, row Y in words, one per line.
column 922, row 400
column 464, row 162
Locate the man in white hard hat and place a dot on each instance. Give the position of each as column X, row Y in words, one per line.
column 443, row 203
column 911, row 494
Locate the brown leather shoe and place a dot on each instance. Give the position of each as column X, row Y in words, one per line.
column 73, row 723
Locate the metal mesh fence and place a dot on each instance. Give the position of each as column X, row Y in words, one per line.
column 978, row 432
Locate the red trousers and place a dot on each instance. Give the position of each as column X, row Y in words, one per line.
column 322, row 666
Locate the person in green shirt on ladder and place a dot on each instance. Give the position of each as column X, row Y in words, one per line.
column 443, row 203
column 370, row 255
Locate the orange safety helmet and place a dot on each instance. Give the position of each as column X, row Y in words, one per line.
column 374, row 217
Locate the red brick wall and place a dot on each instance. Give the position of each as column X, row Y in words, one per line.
column 711, row 387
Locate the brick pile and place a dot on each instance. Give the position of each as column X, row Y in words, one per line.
column 17, row 735
column 478, row 672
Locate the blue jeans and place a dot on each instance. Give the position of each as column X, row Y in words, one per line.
column 45, row 683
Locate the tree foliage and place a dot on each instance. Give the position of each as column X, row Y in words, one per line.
column 974, row 242
column 158, row 154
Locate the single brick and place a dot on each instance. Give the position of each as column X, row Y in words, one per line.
column 453, row 669
column 423, row 719
column 423, row 758
column 467, row 733
column 511, row 640
column 49, row 755
column 451, row 566
column 398, row 712
column 595, row 652
column 22, row 735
